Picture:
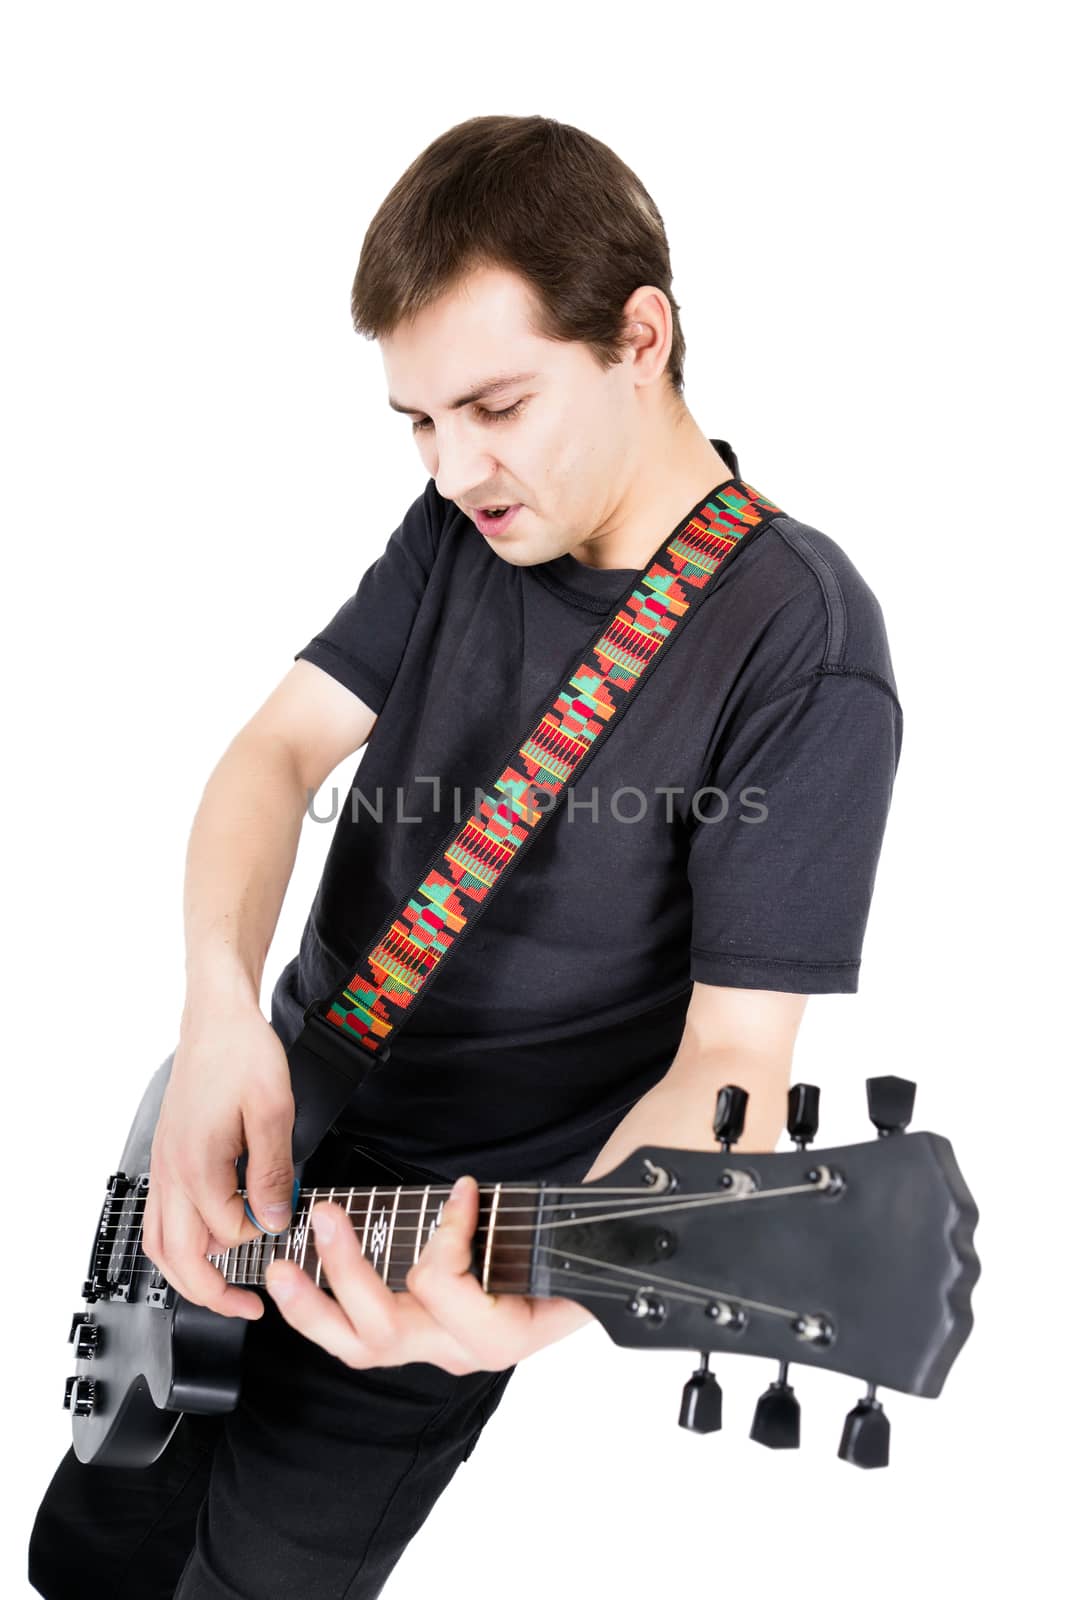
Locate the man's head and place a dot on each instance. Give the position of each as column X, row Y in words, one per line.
column 520, row 247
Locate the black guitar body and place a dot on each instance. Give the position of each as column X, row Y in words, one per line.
column 156, row 1354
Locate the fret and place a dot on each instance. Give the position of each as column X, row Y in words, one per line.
column 489, row 1238
column 366, row 1220
column 305, row 1228
column 389, row 1241
column 511, row 1238
column 433, row 1225
column 318, row 1259
column 422, row 1218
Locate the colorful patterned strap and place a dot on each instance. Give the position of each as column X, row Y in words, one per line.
column 409, row 950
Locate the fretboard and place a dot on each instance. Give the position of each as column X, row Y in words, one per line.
column 393, row 1225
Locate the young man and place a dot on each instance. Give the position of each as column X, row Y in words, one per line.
column 655, row 945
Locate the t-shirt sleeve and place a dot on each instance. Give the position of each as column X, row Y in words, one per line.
column 363, row 643
column 782, row 884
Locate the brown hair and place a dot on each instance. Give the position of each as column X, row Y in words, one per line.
column 538, row 197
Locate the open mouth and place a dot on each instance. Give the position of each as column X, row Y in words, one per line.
column 492, row 520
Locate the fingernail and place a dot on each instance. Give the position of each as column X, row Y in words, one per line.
column 323, row 1224
column 456, row 1189
column 277, row 1216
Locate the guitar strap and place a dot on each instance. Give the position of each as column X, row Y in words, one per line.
column 346, row 1032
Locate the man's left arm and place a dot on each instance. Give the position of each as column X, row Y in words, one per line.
column 740, row 1036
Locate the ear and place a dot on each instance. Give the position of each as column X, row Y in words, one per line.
column 648, row 330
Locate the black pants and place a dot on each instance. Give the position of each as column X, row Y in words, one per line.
column 311, row 1488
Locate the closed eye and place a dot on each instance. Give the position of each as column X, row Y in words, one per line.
column 489, row 416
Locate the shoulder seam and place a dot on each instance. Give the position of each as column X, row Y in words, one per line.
column 829, row 586
column 804, row 678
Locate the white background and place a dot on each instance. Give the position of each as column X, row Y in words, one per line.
column 200, row 464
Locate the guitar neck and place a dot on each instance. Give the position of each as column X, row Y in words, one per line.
column 395, row 1223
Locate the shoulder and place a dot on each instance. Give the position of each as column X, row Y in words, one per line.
column 807, row 610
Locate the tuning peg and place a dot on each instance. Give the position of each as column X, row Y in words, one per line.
column 890, row 1103
column 802, row 1118
column 865, row 1436
column 730, row 1115
column 777, row 1419
column 701, row 1401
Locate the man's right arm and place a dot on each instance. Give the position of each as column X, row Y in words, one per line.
column 229, row 1086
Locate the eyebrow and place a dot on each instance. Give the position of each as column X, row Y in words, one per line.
column 489, row 387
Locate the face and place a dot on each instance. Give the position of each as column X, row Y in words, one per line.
column 554, row 440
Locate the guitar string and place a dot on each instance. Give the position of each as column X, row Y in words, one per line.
column 506, row 1185
column 623, row 1295
column 254, row 1249
column 697, row 1293
column 641, row 1274
column 699, row 1298
column 126, row 1218
column 626, row 1290
column 612, row 1289
column 250, row 1263
column 675, row 1285
column 133, row 1205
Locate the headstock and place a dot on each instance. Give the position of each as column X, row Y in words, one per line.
column 860, row 1259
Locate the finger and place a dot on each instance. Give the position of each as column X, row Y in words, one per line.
column 314, row 1314
column 491, row 1328
column 209, row 1182
column 454, row 1297
column 270, row 1165
column 152, row 1243
column 412, row 1335
column 448, row 1249
column 184, row 1263
column 369, row 1304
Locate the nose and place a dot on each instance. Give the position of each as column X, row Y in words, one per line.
column 461, row 467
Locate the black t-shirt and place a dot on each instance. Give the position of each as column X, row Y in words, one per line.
column 566, row 1001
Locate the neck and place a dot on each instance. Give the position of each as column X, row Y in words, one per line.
column 395, row 1223
column 676, row 466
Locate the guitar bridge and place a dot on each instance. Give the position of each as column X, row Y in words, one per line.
column 118, row 1239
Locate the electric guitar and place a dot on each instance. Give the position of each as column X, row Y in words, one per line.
column 859, row 1259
